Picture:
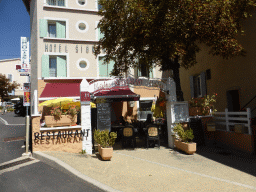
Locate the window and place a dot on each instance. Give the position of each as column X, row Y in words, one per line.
column 82, row 2
column 145, row 109
column 198, row 85
column 82, row 64
column 144, row 71
column 99, row 6
column 82, row 26
column 53, row 29
column 10, row 78
column 54, row 66
column 56, row 2
column 105, row 69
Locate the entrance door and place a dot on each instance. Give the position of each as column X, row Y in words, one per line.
column 233, row 100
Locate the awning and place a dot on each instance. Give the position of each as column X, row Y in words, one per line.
column 61, row 90
column 117, row 94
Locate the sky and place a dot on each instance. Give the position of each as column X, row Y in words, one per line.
column 14, row 23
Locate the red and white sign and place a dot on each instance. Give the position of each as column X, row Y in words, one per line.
column 85, row 96
column 26, row 99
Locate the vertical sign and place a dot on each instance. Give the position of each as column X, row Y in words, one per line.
column 103, row 116
column 24, row 52
column 26, row 96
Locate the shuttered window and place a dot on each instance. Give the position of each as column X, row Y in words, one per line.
column 56, row 2
column 198, row 86
column 144, row 71
column 54, row 29
column 105, row 69
column 54, row 66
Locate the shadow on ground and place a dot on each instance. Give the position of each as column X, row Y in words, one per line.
column 232, row 158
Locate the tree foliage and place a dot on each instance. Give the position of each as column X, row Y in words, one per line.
column 158, row 31
column 6, row 86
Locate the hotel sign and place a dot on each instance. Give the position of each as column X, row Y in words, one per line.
column 24, row 43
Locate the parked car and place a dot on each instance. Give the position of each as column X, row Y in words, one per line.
column 19, row 109
column 9, row 105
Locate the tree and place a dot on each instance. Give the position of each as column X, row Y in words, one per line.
column 164, row 33
column 6, row 86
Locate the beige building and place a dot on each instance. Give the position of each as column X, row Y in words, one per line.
column 10, row 68
column 233, row 80
column 63, row 33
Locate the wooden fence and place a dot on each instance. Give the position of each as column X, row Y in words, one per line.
column 232, row 118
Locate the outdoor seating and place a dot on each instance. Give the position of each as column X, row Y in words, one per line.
column 128, row 136
column 153, row 134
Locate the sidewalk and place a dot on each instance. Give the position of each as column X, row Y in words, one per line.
column 161, row 169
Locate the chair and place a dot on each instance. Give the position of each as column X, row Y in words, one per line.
column 128, row 135
column 153, row 134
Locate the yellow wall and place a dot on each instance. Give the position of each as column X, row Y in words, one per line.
column 235, row 74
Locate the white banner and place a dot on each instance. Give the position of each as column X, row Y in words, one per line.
column 24, row 52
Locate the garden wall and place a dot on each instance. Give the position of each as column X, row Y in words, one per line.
column 238, row 141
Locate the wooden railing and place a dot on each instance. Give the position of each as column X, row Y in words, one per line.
column 232, row 118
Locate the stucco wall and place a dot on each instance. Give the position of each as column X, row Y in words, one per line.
column 234, row 74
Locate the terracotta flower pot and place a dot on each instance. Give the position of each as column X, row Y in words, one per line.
column 65, row 120
column 189, row 148
column 106, row 153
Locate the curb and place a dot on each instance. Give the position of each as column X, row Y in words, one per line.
column 61, row 166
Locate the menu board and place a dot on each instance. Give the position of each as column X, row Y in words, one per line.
column 103, row 116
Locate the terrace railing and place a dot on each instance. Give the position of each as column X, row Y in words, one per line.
column 229, row 119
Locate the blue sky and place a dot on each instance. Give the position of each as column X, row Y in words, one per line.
column 14, row 23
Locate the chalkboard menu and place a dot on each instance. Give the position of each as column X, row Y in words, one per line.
column 103, row 116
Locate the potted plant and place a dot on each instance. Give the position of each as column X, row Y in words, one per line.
column 202, row 106
column 72, row 113
column 106, row 141
column 59, row 118
column 183, row 139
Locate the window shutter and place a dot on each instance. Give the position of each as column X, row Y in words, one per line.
column 203, row 83
column 103, row 69
column 151, row 73
column 60, row 29
column 191, row 78
column 110, row 67
column 100, row 35
column 43, row 27
column 61, row 66
column 45, row 66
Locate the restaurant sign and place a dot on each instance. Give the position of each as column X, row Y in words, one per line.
column 122, row 82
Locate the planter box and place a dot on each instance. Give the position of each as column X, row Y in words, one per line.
column 211, row 127
column 65, row 120
column 194, row 111
column 189, row 148
column 239, row 128
column 106, row 153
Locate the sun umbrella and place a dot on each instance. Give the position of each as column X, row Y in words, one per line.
column 64, row 102
column 59, row 101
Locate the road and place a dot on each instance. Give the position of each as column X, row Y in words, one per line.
column 20, row 174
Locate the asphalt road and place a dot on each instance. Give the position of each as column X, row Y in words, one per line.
column 20, row 174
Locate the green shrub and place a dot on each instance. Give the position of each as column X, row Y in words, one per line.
column 185, row 136
column 104, row 138
column 10, row 109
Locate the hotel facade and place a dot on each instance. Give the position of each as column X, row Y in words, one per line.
column 63, row 34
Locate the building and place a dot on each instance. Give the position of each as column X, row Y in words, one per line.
column 10, row 68
column 233, row 80
column 234, row 83
column 63, row 33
